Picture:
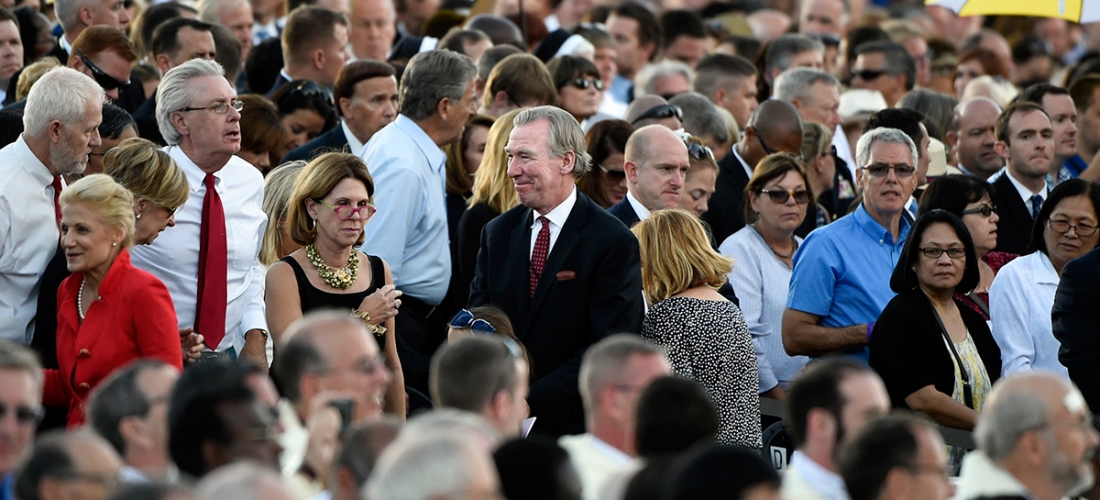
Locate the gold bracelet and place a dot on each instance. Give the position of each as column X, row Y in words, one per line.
column 364, row 316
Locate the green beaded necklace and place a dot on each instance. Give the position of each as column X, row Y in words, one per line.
column 339, row 278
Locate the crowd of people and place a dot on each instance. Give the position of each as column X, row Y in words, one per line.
column 416, row 249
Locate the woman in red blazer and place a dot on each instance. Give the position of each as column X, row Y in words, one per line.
column 109, row 313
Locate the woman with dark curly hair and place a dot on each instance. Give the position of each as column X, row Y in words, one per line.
column 306, row 111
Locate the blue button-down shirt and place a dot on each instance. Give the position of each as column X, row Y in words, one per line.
column 842, row 271
column 621, row 88
column 410, row 229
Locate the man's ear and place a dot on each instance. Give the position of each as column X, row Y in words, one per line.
column 132, row 429
column 631, row 170
column 345, row 106
column 162, row 62
column 819, row 422
column 54, row 130
column 317, row 59
column 1001, row 148
column 85, row 16
column 569, row 161
column 501, row 99
column 443, row 108
column 180, row 123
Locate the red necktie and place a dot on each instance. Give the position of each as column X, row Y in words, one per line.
column 57, row 198
column 212, row 293
column 538, row 257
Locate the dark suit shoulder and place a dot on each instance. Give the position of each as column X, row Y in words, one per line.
column 333, row 140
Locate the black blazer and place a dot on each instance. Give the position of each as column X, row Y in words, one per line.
column 405, row 47
column 146, row 118
column 590, row 288
column 279, row 81
column 624, row 212
column 333, row 140
column 1014, row 226
column 1076, row 319
column 908, row 352
column 465, row 244
column 727, row 207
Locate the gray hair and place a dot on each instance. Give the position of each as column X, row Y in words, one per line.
column 239, row 481
column 606, row 360
column 424, row 469
column 565, row 134
column 61, row 94
column 782, row 49
column 68, row 11
column 646, row 79
column 17, row 357
column 795, row 83
column 1005, row 421
column 887, row 136
column 701, row 117
column 174, row 93
column 450, row 421
column 210, row 11
column 119, row 397
column 429, row 78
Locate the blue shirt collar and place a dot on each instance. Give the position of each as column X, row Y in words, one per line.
column 876, row 230
column 436, row 158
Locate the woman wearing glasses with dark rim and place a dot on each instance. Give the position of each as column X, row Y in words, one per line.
column 329, row 209
column 935, row 355
column 1022, row 295
column 971, row 199
column 777, row 198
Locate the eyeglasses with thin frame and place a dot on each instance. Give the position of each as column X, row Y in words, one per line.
column 584, row 83
column 1063, row 227
column 901, row 170
column 780, row 196
column 614, row 174
column 346, row 212
column 24, row 415
column 985, row 210
column 220, row 107
column 954, row 253
column 101, row 77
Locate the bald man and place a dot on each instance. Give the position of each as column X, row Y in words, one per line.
column 775, row 127
column 653, row 110
column 972, row 138
column 1035, row 439
column 656, row 163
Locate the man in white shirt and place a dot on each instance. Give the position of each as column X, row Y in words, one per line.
column 656, row 163
column 197, row 110
column 829, row 399
column 1035, row 439
column 60, row 129
column 613, row 374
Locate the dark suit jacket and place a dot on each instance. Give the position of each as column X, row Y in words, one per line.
column 590, row 288
column 1014, row 227
column 333, row 140
column 624, row 212
column 279, row 81
column 1076, row 319
column 405, row 48
column 146, row 118
column 130, row 97
column 727, row 207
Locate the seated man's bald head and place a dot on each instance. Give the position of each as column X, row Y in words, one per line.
column 775, row 118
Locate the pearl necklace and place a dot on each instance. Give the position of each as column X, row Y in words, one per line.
column 339, row 278
column 80, row 298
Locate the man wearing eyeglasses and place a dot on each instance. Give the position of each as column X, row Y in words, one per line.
column 1035, row 437
column 1025, row 139
column 20, row 408
column 175, row 42
column 840, row 281
column 656, row 161
column 68, row 466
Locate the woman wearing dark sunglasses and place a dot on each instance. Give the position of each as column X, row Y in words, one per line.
column 580, row 89
column 778, row 195
column 605, row 183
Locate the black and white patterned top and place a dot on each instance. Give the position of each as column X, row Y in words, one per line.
column 707, row 341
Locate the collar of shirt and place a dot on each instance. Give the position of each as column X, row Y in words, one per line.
column 284, row 74
column 1025, row 193
column 35, row 169
column 65, row 44
column 641, row 210
column 436, row 158
column 828, row 483
column 912, row 206
column 609, row 451
column 195, row 175
column 354, row 145
column 1043, row 269
column 844, row 150
column 876, row 230
column 744, row 164
column 559, row 214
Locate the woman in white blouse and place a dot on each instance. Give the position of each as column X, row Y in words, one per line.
column 778, row 195
column 1022, row 294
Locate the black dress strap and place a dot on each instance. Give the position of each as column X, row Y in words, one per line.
column 377, row 273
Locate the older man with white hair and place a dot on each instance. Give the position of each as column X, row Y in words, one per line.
column 435, row 466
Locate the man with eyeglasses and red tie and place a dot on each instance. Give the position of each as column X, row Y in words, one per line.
column 656, row 164
column 209, row 259
column 840, row 280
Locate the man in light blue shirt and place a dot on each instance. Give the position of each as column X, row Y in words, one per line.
column 409, row 168
column 841, row 277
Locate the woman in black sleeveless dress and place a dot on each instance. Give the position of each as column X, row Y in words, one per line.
column 329, row 207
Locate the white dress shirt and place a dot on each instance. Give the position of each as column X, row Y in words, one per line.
column 1020, row 301
column 640, row 210
column 29, row 237
column 354, row 145
column 806, row 480
column 595, row 461
column 174, row 255
column 558, row 215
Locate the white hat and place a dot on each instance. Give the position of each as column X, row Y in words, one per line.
column 857, row 104
column 938, row 153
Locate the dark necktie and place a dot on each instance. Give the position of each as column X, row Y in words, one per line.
column 212, row 290
column 1036, row 205
column 538, row 256
column 57, row 198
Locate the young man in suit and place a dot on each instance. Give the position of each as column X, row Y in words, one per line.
column 564, row 271
column 1025, row 139
column 656, row 164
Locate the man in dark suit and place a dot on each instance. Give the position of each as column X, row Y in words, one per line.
column 366, row 100
column 566, row 273
column 175, row 42
column 315, row 43
column 656, row 163
column 1076, row 319
column 774, row 127
column 1025, row 139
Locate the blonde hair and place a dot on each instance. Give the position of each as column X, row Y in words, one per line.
column 677, row 255
column 319, row 177
column 816, row 139
column 278, row 188
column 31, row 74
column 492, row 186
column 109, row 200
column 149, row 173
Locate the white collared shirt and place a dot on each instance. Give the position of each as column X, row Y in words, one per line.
column 1025, row 193
column 597, row 462
column 825, row 482
column 174, row 255
column 29, row 237
column 557, row 217
column 641, row 210
column 844, row 150
column 1020, row 300
column 354, row 146
column 744, row 164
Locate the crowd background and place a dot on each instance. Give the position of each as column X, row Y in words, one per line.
column 564, row 249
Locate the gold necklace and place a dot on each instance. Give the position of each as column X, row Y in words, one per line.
column 339, row 278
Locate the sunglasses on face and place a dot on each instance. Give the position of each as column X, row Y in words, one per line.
column 868, row 74
column 25, row 415
column 584, row 83
column 780, row 196
column 882, row 170
column 613, row 174
column 985, row 210
column 660, row 112
column 465, row 319
column 101, row 77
